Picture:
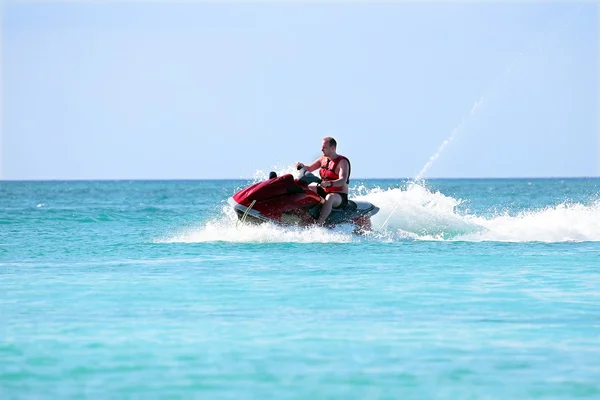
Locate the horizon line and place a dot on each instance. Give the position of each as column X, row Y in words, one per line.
column 248, row 179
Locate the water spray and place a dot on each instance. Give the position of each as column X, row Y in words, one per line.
column 476, row 106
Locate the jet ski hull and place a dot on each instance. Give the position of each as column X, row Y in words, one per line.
column 288, row 201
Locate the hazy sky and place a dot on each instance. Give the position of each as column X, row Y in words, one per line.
column 147, row 90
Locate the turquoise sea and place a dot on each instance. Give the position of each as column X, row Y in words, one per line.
column 466, row 289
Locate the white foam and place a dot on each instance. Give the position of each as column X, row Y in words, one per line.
column 562, row 223
column 424, row 215
column 418, row 213
column 226, row 228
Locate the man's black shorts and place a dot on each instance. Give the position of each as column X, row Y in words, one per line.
column 344, row 202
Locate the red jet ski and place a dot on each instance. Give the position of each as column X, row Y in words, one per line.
column 288, row 201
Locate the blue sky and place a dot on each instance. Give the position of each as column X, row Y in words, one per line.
column 135, row 90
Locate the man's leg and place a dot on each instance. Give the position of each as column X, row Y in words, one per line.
column 332, row 200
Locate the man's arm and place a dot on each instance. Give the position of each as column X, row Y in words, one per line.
column 310, row 168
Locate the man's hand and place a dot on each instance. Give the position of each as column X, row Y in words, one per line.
column 300, row 165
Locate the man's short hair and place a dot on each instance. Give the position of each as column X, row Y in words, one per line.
column 332, row 142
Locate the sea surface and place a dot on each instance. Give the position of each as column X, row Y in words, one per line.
column 466, row 289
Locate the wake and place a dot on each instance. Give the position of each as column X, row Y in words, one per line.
column 424, row 215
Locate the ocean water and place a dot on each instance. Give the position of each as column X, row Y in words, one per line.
column 466, row 289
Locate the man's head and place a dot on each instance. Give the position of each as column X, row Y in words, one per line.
column 329, row 146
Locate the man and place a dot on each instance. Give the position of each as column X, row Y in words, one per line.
column 335, row 174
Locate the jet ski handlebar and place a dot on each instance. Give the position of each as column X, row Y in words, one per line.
column 307, row 177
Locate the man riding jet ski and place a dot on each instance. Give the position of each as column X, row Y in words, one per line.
column 307, row 200
column 335, row 174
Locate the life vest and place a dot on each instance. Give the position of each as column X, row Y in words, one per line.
column 328, row 173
